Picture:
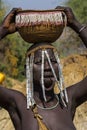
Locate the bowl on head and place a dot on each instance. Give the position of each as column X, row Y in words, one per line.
column 37, row 26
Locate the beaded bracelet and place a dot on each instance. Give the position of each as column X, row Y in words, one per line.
column 82, row 28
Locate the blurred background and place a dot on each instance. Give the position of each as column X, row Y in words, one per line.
column 35, row 4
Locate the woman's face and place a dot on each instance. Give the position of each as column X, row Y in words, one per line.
column 48, row 75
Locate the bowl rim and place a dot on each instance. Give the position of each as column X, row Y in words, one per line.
column 31, row 10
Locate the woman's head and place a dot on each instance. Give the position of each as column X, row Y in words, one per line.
column 43, row 68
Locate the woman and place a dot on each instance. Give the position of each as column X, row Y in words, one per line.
column 53, row 114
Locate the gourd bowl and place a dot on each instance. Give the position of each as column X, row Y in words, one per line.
column 37, row 26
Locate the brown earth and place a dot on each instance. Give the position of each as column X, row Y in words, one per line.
column 75, row 69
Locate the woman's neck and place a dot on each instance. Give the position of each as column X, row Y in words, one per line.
column 51, row 100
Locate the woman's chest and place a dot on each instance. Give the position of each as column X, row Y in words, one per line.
column 48, row 120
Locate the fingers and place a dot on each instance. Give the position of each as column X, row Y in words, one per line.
column 69, row 13
column 60, row 8
column 10, row 18
column 68, row 10
column 65, row 9
column 15, row 10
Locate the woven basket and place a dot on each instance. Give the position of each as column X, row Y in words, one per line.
column 36, row 26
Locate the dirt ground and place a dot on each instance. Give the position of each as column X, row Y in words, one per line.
column 74, row 70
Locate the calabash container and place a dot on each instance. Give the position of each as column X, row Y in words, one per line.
column 36, row 26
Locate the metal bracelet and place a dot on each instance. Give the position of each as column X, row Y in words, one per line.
column 82, row 28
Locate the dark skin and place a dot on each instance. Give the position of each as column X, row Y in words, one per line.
column 15, row 102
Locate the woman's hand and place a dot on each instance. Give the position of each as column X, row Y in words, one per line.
column 70, row 15
column 8, row 24
column 75, row 24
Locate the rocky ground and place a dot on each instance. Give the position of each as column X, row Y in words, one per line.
column 75, row 69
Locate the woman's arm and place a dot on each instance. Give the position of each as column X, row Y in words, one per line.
column 78, row 92
column 8, row 101
column 8, row 24
column 6, row 97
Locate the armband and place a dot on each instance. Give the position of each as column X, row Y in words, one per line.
column 82, row 28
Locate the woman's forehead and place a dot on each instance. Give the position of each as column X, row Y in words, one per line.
column 38, row 53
